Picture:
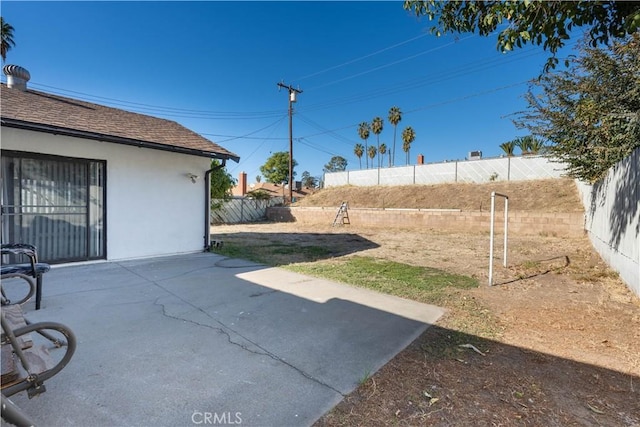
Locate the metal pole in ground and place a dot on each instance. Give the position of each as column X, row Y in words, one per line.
column 493, row 205
column 491, row 238
column 506, row 222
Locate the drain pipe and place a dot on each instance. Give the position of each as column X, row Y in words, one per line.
column 207, row 205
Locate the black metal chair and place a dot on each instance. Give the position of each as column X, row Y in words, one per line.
column 32, row 269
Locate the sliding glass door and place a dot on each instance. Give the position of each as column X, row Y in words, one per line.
column 55, row 203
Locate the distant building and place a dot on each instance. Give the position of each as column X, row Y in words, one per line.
column 475, row 155
column 274, row 190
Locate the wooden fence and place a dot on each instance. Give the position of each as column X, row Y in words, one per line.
column 241, row 209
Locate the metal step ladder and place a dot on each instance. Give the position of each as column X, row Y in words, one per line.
column 342, row 217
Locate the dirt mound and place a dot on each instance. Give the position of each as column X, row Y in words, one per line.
column 547, row 195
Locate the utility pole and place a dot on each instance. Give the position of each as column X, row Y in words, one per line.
column 292, row 99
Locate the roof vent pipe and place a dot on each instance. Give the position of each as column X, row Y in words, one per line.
column 17, row 77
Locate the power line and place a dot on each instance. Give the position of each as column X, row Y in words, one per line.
column 352, row 61
column 230, row 115
column 326, row 131
column 166, row 111
column 462, row 98
column 470, row 68
column 259, row 146
column 305, row 140
column 232, row 137
column 411, row 84
column 420, row 81
column 247, row 136
column 429, row 106
column 314, row 147
column 388, row 64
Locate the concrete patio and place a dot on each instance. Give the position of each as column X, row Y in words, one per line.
column 202, row 339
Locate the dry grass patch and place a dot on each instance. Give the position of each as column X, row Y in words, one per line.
column 546, row 195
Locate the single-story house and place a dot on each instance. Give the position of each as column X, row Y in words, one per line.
column 83, row 181
column 242, row 187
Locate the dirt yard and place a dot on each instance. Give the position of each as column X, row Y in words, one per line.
column 555, row 342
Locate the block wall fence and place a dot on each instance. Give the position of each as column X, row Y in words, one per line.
column 521, row 168
column 520, row 223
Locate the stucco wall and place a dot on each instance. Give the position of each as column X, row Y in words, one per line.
column 482, row 170
column 153, row 208
column 612, row 211
column 520, row 223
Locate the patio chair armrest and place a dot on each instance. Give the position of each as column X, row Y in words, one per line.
column 21, row 249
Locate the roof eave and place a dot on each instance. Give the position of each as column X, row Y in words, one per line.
column 56, row 130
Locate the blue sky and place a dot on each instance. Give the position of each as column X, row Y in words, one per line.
column 214, row 67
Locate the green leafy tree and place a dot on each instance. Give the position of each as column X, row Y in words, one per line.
column 336, row 164
column 377, row 124
column 539, row 22
column 221, row 181
column 364, row 131
column 382, row 151
column 408, row 136
column 7, row 41
column 395, row 116
column 276, row 168
column 308, row 180
column 358, row 150
column 258, row 194
column 508, row 147
column 258, row 178
column 372, row 153
column 589, row 112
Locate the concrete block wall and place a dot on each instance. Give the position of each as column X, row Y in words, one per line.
column 520, row 223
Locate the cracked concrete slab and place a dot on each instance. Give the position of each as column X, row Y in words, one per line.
column 202, row 339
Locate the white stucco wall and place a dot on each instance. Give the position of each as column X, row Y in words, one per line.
column 612, row 218
column 483, row 170
column 153, row 208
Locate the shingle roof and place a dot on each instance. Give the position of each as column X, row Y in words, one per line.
column 276, row 190
column 46, row 112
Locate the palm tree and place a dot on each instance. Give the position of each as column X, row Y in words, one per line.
column 372, row 153
column 537, row 146
column 408, row 136
column 382, row 151
column 376, row 127
column 395, row 116
column 364, row 130
column 508, row 147
column 358, row 150
column 7, row 42
column 524, row 144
